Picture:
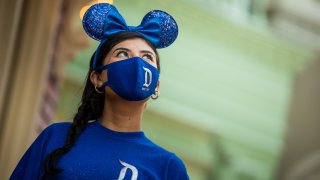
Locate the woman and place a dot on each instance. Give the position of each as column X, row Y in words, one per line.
column 105, row 140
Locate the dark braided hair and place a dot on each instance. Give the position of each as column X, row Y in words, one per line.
column 91, row 105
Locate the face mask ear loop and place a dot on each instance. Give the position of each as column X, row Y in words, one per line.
column 101, row 68
column 96, row 54
column 103, row 85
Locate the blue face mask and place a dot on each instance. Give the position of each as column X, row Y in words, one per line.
column 132, row 79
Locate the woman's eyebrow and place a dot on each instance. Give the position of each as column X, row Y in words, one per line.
column 121, row 48
column 146, row 51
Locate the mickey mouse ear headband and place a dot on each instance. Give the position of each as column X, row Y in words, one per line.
column 102, row 20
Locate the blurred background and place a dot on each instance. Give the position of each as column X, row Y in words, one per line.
column 240, row 88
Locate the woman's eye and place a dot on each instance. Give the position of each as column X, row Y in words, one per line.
column 147, row 57
column 122, row 54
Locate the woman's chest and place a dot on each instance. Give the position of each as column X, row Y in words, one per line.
column 111, row 163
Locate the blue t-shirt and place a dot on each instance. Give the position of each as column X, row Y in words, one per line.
column 100, row 153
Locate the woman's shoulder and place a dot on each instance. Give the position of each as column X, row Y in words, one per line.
column 59, row 126
column 150, row 144
column 49, row 139
column 171, row 157
column 55, row 132
column 175, row 167
column 56, row 128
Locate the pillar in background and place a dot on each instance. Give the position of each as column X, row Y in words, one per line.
column 34, row 44
column 29, row 32
column 301, row 156
column 298, row 20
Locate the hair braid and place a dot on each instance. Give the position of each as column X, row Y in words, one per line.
column 87, row 111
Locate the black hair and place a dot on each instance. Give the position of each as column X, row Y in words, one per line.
column 91, row 105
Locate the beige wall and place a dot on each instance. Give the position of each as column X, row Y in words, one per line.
column 38, row 39
column 27, row 37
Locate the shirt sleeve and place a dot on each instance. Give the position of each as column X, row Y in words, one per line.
column 30, row 165
column 176, row 169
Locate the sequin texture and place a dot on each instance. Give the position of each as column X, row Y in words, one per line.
column 94, row 20
column 169, row 27
column 103, row 20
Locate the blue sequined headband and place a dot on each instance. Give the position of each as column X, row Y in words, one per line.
column 102, row 20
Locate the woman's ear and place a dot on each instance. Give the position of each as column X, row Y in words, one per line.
column 96, row 79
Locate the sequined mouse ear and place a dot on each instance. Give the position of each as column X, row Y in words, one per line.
column 168, row 27
column 94, row 19
column 103, row 20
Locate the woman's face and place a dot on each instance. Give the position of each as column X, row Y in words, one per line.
column 136, row 47
column 132, row 48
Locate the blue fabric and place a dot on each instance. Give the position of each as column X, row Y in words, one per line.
column 103, row 20
column 133, row 79
column 101, row 153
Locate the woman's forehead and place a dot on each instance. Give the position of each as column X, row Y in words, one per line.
column 135, row 44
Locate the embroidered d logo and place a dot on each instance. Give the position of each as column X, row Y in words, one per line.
column 147, row 77
column 124, row 170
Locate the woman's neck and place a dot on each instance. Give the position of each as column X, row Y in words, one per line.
column 123, row 116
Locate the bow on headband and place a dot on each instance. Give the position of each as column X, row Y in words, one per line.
column 103, row 20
